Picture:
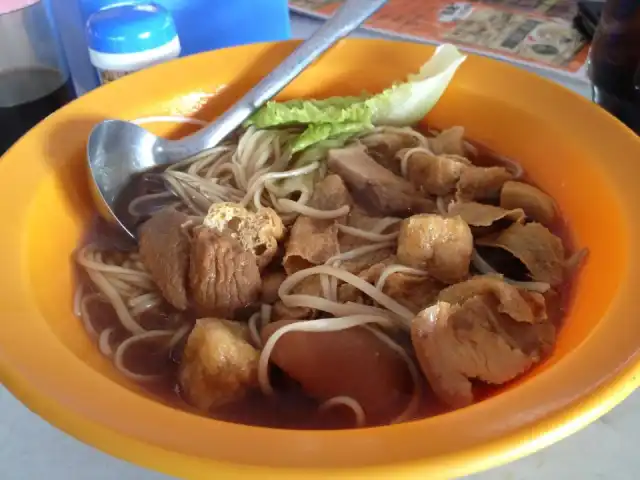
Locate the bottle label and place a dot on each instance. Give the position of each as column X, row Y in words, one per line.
column 108, row 76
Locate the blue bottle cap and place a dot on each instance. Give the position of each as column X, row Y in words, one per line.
column 130, row 28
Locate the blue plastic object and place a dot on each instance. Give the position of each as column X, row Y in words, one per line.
column 210, row 24
column 130, row 29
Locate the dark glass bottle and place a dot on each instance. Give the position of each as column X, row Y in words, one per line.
column 614, row 64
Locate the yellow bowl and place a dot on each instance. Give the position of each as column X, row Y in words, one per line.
column 585, row 158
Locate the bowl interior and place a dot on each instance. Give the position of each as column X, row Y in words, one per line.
column 578, row 154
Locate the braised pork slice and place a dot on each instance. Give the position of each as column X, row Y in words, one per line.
column 164, row 251
column 539, row 250
column 412, row 291
column 450, row 141
column 480, row 183
column 440, row 246
column 219, row 365
column 313, row 241
column 538, row 206
column 520, row 304
column 385, row 144
column 223, row 276
column 455, row 344
column 486, row 219
column 353, row 363
column 433, row 174
column 257, row 232
column 374, row 187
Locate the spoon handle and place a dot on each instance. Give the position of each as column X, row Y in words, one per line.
column 349, row 17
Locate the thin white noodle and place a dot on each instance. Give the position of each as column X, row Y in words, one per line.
column 253, row 329
column 103, row 342
column 391, row 269
column 384, row 223
column 401, row 311
column 84, row 314
column 483, row 266
column 179, row 335
column 351, row 403
column 77, row 299
column 135, row 204
column 169, row 119
column 374, row 237
column 358, row 252
column 320, row 325
column 265, row 315
column 265, row 177
column 118, row 357
column 292, row 206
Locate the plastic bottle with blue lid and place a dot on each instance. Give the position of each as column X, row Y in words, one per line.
column 126, row 38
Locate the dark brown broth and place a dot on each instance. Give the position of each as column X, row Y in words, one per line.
column 291, row 409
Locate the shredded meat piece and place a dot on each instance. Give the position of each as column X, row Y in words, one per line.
column 342, row 363
column 441, row 246
column 538, row 206
column 457, row 343
column 313, row 241
column 539, row 250
column 375, row 188
column 435, row 174
column 223, row 276
column 485, row 219
column 479, row 183
column 257, row 232
column 384, row 146
column 349, row 293
column 414, row 292
column 164, row 251
column 449, row 141
column 219, row 365
column 270, row 284
column 520, row 304
column 309, row 286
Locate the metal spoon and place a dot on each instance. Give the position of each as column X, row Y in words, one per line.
column 117, row 150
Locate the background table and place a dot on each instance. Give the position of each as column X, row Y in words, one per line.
column 31, row 449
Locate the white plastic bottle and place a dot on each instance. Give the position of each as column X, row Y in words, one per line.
column 126, row 38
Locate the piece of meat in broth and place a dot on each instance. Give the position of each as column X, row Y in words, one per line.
column 472, row 339
column 164, row 251
column 313, row 241
column 538, row 206
column 520, row 304
column 257, row 232
column 384, row 145
column 532, row 244
column 450, row 141
column 481, row 183
column 440, row 246
column 309, row 286
column 375, row 188
column 433, row 174
column 223, row 275
column 219, row 365
column 270, row 285
column 412, row 291
column 485, row 219
column 353, row 363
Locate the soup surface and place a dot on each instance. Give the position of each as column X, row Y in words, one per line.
column 379, row 278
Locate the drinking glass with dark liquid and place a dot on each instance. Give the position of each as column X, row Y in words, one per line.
column 34, row 80
column 614, row 64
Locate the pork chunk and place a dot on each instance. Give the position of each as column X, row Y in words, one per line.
column 352, row 362
column 164, row 251
column 223, row 276
column 374, row 187
column 538, row 206
column 219, row 365
column 455, row 344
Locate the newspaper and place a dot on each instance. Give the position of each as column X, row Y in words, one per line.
column 536, row 33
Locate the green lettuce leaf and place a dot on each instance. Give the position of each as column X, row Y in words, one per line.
column 318, row 132
column 403, row 104
column 330, row 110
